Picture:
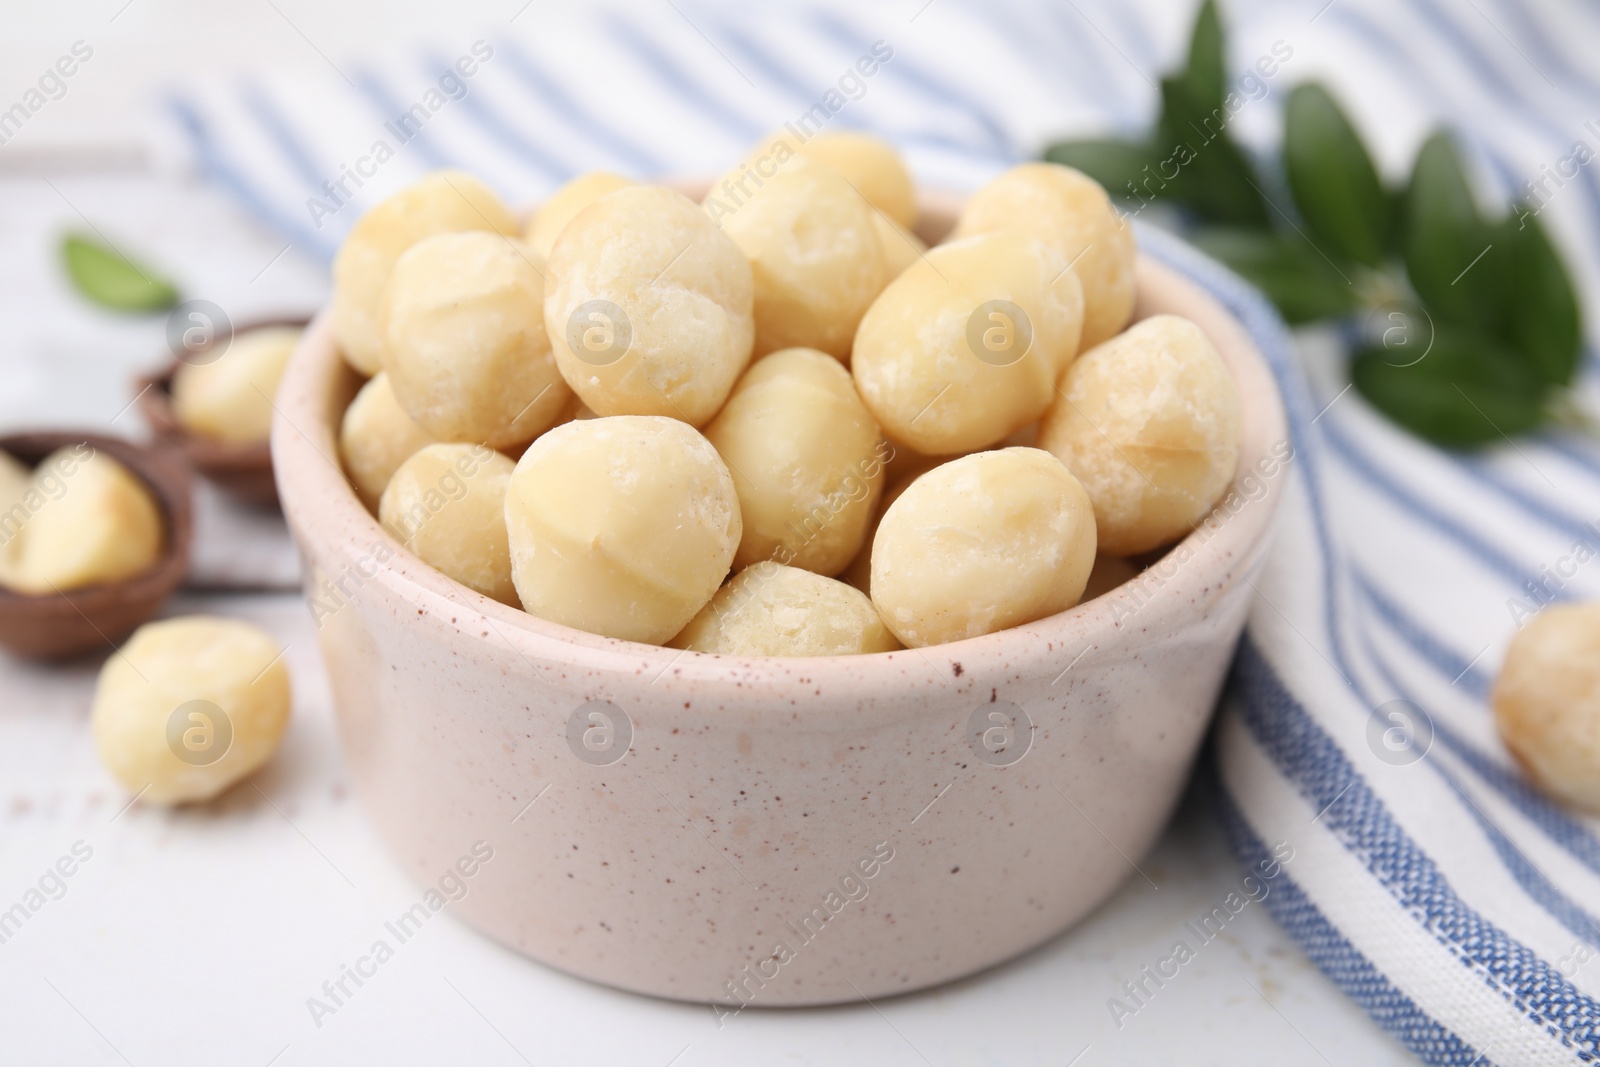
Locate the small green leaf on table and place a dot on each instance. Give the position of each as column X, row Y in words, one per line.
column 108, row 278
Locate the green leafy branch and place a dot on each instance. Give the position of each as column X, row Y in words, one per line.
column 1475, row 327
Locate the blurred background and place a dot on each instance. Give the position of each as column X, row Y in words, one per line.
column 211, row 140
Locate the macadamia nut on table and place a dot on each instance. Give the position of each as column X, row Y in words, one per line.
column 230, row 397
column 465, row 345
column 814, row 253
column 1149, row 422
column 622, row 526
column 982, row 543
column 189, row 706
column 1547, row 702
column 806, row 458
column 1069, row 211
column 375, row 437
column 443, row 202
column 447, row 504
column 649, row 306
column 772, row 610
column 965, row 347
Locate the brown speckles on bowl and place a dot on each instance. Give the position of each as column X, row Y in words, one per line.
column 97, row 617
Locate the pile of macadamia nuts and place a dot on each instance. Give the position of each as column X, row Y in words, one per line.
column 774, row 423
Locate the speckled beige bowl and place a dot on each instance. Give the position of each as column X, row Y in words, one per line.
column 716, row 829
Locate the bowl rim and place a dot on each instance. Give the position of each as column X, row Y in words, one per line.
column 323, row 509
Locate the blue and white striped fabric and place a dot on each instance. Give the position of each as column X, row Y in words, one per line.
column 1455, row 904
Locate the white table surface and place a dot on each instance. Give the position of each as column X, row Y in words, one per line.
column 197, row 936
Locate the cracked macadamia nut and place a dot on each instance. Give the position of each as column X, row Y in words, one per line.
column 622, row 526
column 447, row 503
column 86, row 520
column 772, row 610
column 649, row 306
column 1547, row 702
column 814, row 253
column 870, row 164
column 982, row 543
column 1068, row 210
column 190, row 706
column 965, row 347
column 1149, row 423
column 230, row 398
column 805, row 457
column 564, row 204
column 443, row 202
column 375, row 437
column 466, row 349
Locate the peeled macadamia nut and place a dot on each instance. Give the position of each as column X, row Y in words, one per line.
column 14, row 478
column 230, row 398
column 87, row 521
column 444, row 202
column 903, row 468
column 901, row 247
column 772, row 610
column 1547, row 702
column 1069, row 211
column 982, row 543
column 805, row 457
column 554, row 214
column 870, row 164
column 375, row 437
column 190, row 706
column 965, row 347
column 649, row 306
column 1149, row 423
column 813, row 250
column 466, row 349
column 622, row 526
column 447, row 503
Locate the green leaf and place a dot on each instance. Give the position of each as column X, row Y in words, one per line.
column 1543, row 320
column 105, row 276
column 1211, row 173
column 1447, row 242
column 1465, row 392
column 1290, row 272
column 1334, row 182
column 1117, row 165
column 1204, row 76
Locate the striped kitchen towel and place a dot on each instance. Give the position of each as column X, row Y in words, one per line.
column 1431, row 884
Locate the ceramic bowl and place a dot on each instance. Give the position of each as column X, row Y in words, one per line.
column 95, row 618
column 766, row 831
column 242, row 469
